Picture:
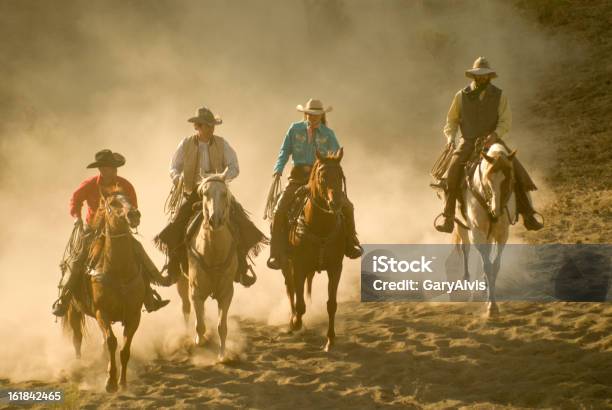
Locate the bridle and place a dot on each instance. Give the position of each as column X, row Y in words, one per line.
column 314, row 198
column 205, row 221
column 506, row 188
column 110, row 211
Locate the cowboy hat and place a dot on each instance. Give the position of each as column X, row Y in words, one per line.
column 107, row 158
column 313, row 107
column 481, row 67
column 205, row 116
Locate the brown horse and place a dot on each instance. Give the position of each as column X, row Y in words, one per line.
column 114, row 291
column 317, row 240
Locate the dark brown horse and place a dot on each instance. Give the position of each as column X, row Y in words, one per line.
column 114, row 291
column 317, row 240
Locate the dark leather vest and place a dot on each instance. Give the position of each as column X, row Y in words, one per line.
column 479, row 118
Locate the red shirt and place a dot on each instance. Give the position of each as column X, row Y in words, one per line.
column 89, row 191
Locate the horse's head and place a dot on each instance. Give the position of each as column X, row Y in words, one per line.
column 497, row 177
column 216, row 200
column 119, row 212
column 327, row 180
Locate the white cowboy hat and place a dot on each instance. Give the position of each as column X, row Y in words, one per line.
column 481, row 67
column 313, row 107
column 205, row 116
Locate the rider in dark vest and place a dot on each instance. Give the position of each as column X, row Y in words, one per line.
column 300, row 143
column 90, row 191
column 481, row 111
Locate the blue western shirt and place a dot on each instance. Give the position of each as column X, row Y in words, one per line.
column 297, row 146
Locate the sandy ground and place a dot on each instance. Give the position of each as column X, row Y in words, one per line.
column 410, row 355
column 407, row 355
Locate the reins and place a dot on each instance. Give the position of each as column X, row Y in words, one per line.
column 486, row 203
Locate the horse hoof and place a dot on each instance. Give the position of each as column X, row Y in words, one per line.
column 111, row 386
column 329, row 345
column 296, row 323
column 200, row 340
column 492, row 310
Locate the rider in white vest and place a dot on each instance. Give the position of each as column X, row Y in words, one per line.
column 197, row 157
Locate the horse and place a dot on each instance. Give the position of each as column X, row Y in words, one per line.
column 317, row 241
column 491, row 209
column 213, row 258
column 114, row 291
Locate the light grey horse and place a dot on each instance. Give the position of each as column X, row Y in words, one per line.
column 491, row 209
column 212, row 258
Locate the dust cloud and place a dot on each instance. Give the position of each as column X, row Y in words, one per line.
column 82, row 76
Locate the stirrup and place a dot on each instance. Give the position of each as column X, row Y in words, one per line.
column 59, row 309
column 444, row 228
column 274, row 263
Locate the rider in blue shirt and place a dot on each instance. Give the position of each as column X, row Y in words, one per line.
column 301, row 141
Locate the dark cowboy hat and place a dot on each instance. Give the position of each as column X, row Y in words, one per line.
column 107, row 158
column 205, row 116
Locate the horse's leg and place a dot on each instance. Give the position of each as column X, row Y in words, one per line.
column 465, row 251
column 111, row 345
column 182, row 285
column 290, row 288
column 496, row 265
column 333, row 276
column 198, row 307
column 299, row 278
column 75, row 318
column 223, row 304
column 485, row 253
column 129, row 329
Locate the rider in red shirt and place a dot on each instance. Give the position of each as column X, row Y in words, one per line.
column 90, row 191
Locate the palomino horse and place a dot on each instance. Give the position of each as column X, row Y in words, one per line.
column 317, row 241
column 115, row 288
column 213, row 259
column 491, row 209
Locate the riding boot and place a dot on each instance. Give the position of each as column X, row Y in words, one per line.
column 71, row 278
column 172, row 238
column 453, row 181
column 524, row 207
column 153, row 301
column 278, row 242
column 352, row 248
column 448, row 217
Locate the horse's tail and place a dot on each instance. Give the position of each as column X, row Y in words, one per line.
column 309, row 285
column 74, row 320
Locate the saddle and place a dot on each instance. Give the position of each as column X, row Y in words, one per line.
column 296, row 208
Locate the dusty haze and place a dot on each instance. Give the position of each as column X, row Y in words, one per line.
column 78, row 77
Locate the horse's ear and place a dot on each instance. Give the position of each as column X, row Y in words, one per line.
column 319, row 158
column 488, row 158
column 340, row 154
column 512, row 155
